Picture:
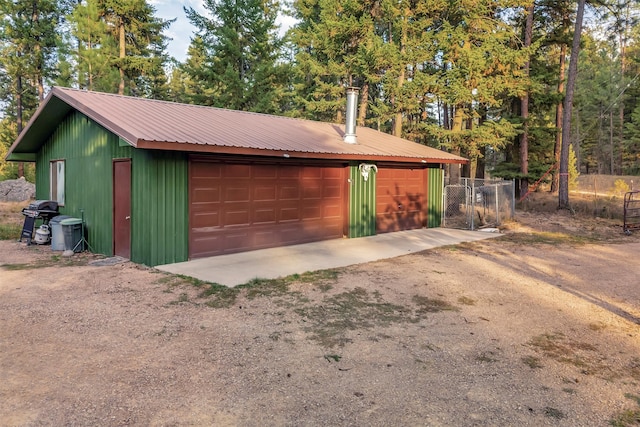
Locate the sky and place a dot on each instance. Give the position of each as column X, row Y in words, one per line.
column 181, row 30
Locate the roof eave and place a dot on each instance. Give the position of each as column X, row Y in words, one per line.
column 217, row 149
column 57, row 106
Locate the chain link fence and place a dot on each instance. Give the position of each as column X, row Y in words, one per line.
column 478, row 203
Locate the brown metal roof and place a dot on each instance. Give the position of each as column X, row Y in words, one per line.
column 146, row 123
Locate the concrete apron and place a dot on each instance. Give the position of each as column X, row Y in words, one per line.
column 236, row 269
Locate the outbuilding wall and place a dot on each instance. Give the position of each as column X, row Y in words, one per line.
column 435, row 183
column 362, row 203
column 159, row 205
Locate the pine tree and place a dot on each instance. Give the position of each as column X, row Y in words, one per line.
column 338, row 45
column 28, row 41
column 96, row 49
column 234, row 59
column 125, row 37
column 482, row 66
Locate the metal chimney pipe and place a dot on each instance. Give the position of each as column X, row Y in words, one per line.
column 352, row 113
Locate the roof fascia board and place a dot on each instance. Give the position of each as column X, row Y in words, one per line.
column 21, row 157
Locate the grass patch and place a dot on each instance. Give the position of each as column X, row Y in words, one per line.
column 274, row 287
column 629, row 417
column 331, row 320
column 220, row 296
column 634, row 369
column 431, row 305
column 332, row 357
column 532, row 362
column 466, row 301
column 10, row 231
column 554, row 413
column 486, row 357
column 334, row 317
column 547, row 238
column 53, row 261
column 265, row 287
column 184, row 297
column 599, row 326
column 216, row 295
column 565, row 350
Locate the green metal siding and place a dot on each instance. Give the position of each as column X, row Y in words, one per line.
column 159, row 217
column 160, row 207
column 362, row 203
column 435, row 182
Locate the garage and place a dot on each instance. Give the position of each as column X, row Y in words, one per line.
column 240, row 206
column 400, row 199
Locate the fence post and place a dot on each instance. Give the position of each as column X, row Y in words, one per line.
column 513, row 199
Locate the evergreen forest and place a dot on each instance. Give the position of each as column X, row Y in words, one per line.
column 516, row 86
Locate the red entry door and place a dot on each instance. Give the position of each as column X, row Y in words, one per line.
column 122, row 208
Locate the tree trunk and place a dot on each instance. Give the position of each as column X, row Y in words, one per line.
column 612, row 158
column 456, row 130
column 576, row 144
column 37, row 48
column 397, row 122
column 445, row 116
column 623, row 66
column 364, row 102
column 123, row 53
column 563, row 193
column 558, row 144
column 19, row 117
column 524, row 110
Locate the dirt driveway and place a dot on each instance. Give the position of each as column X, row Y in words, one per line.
column 529, row 329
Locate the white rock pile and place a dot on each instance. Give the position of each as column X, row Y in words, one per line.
column 17, row 190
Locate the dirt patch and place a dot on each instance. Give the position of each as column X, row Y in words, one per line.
column 539, row 327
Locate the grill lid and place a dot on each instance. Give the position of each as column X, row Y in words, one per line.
column 43, row 205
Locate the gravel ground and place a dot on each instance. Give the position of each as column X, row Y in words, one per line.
column 529, row 329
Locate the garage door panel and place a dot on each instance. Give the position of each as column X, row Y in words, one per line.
column 264, row 216
column 265, row 192
column 290, row 191
column 264, row 172
column 205, row 169
column 312, row 212
column 400, row 197
column 235, row 217
column 235, row 171
column 312, row 192
column 245, row 207
column 206, row 194
column 205, row 219
column 289, row 172
column 334, row 173
column 289, row 214
column 332, row 211
column 237, row 193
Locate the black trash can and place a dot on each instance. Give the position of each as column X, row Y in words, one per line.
column 72, row 230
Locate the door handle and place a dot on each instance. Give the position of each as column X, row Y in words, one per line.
column 127, row 217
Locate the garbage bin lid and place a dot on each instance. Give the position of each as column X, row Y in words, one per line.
column 71, row 221
column 58, row 219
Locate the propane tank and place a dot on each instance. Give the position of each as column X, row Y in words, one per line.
column 43, row 235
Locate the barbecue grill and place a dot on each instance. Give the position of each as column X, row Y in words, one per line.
column 39, row 209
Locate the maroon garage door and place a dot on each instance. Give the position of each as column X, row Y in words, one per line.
column 400, row 199
column 236, row 207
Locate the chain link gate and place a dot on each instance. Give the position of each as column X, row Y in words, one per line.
column 478, row 203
